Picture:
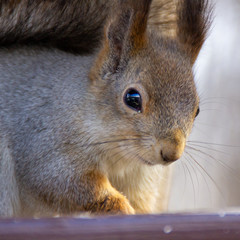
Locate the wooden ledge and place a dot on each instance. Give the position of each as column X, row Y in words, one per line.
column 150, row 227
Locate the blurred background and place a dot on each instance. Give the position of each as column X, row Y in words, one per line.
column 208, row 175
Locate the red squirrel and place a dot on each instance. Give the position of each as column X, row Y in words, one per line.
column 95, row 103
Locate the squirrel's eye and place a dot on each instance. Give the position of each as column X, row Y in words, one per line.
column 133, row 100
column 198, row 111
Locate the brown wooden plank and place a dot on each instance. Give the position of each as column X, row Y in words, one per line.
column 169, row 227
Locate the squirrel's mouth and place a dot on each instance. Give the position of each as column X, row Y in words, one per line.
column 150, row 163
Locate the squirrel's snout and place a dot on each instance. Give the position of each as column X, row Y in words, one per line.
column 169, row 157
column 172, row 150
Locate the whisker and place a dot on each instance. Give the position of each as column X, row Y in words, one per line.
column 206, row 103
column 210, row 109
column 211, row 125
column 109, row 141
column 122, row 156
column 209, row 176
column 191, row 178
column 201, row 172
column 223, row 164
column 114, row 140
column 223, row 98
column 212, row 149
column 190, row 162
column 216, row 144
column 129, row 152
column 210, row 156
column 200, row 130
column 124, row 145
column 185, row 180
column 138, row 152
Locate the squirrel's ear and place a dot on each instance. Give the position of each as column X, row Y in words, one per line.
column 125, row 31
column 193, row 23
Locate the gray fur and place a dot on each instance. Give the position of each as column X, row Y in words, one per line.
column 41, row 95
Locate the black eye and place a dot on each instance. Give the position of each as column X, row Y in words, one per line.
column 198, row 111
column 133, row 100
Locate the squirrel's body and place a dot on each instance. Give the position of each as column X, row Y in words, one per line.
column 70, row 141
column 35, row 106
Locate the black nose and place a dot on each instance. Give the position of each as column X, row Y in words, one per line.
column 169, row 158
column 171, row 148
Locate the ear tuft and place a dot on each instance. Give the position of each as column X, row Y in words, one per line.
column 194, row 18
column 126, row 28
column 141, row 10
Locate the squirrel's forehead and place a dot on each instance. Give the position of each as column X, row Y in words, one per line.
column 159, row 73
column 161, row 61
column 162, row 73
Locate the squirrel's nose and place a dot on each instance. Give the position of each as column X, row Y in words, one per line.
column 169, row 157
column 172, row 150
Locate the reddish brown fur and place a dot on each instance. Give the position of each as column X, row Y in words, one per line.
column 139, row 19
column 92, row 193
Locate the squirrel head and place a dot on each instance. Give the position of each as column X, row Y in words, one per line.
column 143, row 83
